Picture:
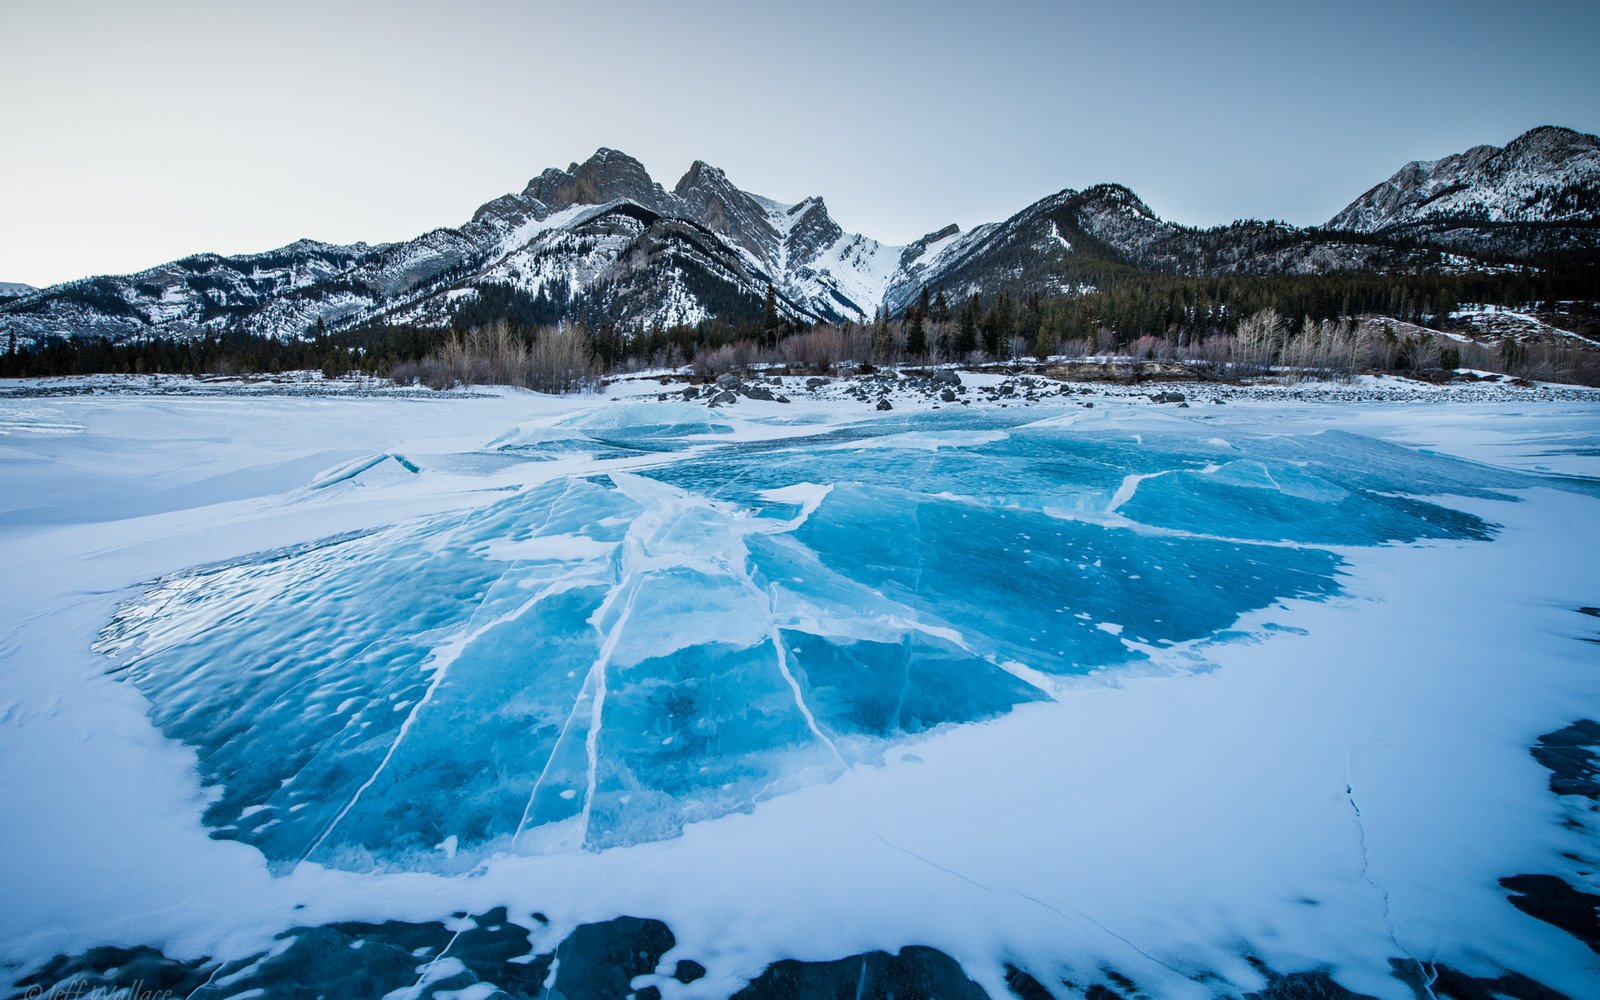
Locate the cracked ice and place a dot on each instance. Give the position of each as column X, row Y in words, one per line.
column 599, row 660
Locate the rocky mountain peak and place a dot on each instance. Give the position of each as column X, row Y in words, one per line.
column 914, row 253
column 1554, row 140
column 1546, row 174
column 606, row 176
column 811, row 230
column 1560, row 153
column 702, row 176
column 708, row 197
column 1116, row 198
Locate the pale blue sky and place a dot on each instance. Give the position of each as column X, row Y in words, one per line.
column 138, row 132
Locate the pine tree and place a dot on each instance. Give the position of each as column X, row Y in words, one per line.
column 916, row 334
column 1044, row 342
column 998, row 326
column 883, row 338
column 1032, row 313
column 967, row 327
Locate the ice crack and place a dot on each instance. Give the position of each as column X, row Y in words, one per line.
column 1069, row 914
column 442, row 659
column 629, row 584
column 783, row 665
column 1388, row 919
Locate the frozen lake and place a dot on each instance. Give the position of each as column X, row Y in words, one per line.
column 1126, row 687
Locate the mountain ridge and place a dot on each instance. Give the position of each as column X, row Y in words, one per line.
column 1541, row 188
column 604, row 241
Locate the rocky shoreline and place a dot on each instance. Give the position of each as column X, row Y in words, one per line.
column 886, row 388
column 877, row 388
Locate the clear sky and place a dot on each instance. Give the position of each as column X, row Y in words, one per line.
column 134, row 133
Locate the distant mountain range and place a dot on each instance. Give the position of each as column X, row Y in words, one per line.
column 1540, row 195
column 603, row 241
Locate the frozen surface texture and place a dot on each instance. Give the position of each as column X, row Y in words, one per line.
column 603, row 657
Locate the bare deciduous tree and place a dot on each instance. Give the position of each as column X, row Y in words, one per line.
column 550, row 359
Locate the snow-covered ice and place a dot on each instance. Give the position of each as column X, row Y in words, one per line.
column 1126, row 688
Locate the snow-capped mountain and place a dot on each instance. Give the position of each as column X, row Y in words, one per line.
column 1075, row 241
column 1542, row 188
column 818, row 269
column 205, row 291
column 14, row 289
column 602, row 240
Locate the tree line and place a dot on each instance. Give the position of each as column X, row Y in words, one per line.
column 1113, row 308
